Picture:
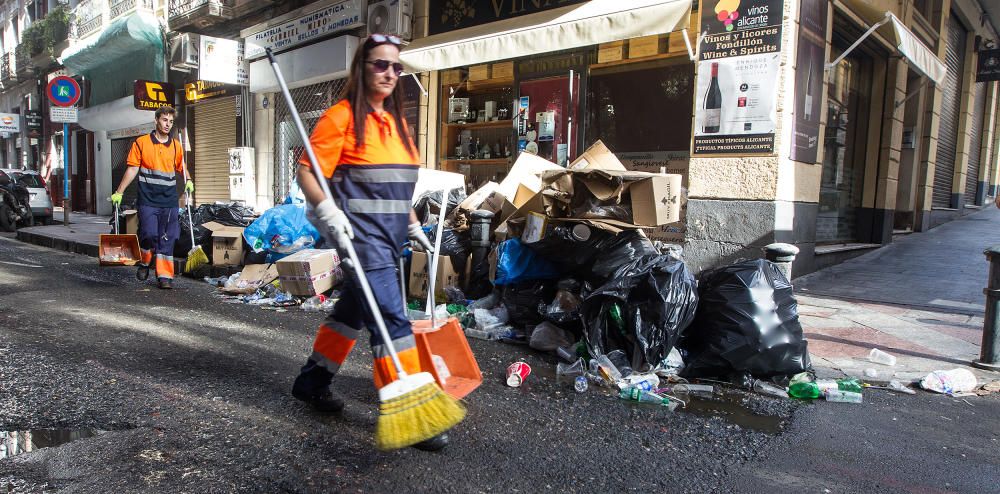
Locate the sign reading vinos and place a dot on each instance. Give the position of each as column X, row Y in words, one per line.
column 738, row 77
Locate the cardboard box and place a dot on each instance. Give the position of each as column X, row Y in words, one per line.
column 597, row 156
column 446, row 276
column 227, row 244
column 253, row 277
column 534, row 227
column 503, row 70
column 656, row 200
column 479, row 72
column 610, row 52
column 309, row 272
column 131, row 222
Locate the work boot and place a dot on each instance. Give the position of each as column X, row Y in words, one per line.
column 324, row 401
column 166, row 283
column 436, row 443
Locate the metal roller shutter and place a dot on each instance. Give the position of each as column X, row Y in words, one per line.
column 214, row 133
column 975, row 141
column 951, row 106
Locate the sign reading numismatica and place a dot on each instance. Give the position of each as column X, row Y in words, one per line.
column 310, row 27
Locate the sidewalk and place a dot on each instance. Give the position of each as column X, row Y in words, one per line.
column 919, row 298
column 81, row 237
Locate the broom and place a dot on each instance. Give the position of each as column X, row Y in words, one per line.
column 196, row 257
column 413, row 408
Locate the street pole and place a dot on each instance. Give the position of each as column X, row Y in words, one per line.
column 65, row 174
column 782, row 255
column 989, row 357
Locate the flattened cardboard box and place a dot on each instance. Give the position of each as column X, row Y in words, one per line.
column 309, row 272
column 253, row 277
column 446, row 276
column 227, row 244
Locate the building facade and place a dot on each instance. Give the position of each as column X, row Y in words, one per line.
column 834, row 125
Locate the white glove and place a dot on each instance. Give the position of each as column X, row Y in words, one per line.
column 337, row 226
column 417, row 235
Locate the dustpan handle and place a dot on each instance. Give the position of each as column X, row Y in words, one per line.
column 116, row 219
column 346, row 243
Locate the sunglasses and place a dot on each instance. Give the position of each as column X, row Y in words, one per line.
column 378, row 39
column 383, row 65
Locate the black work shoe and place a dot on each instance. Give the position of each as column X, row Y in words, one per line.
column 325, row 402
column 166, row 284
column 436, row 443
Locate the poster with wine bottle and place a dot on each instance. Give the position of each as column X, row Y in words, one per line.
column 736, row 112
column 810, row 53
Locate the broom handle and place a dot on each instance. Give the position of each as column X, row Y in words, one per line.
column 353, row 256
column 187, row 195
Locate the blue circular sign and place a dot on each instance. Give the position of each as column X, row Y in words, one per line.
column 63, row 91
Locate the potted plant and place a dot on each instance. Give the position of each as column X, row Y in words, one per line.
column 57, row 29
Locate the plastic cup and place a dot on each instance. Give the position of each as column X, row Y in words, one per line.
column 880, row 357
column 517, row 373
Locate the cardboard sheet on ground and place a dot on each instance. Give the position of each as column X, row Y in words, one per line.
column 253, row 277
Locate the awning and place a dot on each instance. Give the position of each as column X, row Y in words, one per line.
column 115, row 115
column 921, row 58
column 574, row 26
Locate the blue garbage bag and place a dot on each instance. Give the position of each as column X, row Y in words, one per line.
column 282, row 229
column 516, row 263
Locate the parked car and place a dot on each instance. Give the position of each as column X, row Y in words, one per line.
column 41, row 202
column 14, row 208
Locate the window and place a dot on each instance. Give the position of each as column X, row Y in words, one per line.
column 28, row 180
column 642, row 107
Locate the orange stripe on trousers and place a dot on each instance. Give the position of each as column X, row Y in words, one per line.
column 146, row 255
column 164, row 268
column 332, row 345
column 385, row 371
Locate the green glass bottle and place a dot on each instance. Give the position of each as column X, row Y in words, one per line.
column 803, row 386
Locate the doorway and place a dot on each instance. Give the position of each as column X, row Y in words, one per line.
column 845, row 141
column 83, row 182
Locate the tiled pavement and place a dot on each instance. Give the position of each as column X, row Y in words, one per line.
column 919, row 298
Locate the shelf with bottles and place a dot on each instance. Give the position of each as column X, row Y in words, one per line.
column 492, row 124
column 475, row 162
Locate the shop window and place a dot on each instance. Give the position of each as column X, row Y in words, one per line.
column 848, row 102
column 642, row 107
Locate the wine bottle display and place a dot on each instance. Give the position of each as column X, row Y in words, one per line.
column 807, row 111
column 713, row 103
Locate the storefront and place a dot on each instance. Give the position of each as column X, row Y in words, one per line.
column 551, row 80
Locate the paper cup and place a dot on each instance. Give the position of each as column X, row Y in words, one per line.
column 517, row 373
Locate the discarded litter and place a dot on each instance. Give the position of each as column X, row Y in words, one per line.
column 838, row 396
column 769, row 389
column 949, row 382
column 642, row 396
column 570, row 370
column 894, row 385
column 880, row 357
column 517, row 373
column 871, row 373
column 580, row 384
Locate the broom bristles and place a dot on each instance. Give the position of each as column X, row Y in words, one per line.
column 416, row 416
column 196, row 259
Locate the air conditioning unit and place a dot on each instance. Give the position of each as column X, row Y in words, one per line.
column 184, row 52
column 391, row 17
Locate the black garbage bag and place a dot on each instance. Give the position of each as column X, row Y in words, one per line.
column 455, row 245
column 747, row 321
column 596, row 258
column 522, row 299
column 225, row 214
column 428, row 205
column 642, row 310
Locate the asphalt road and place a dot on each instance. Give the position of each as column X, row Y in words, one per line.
column 190, row 394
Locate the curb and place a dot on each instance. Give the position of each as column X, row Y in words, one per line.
column 57, row 243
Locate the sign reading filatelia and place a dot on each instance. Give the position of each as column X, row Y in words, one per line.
column 737, row 77
column 310, row 27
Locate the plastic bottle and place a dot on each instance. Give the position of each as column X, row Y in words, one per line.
column 694, row 388
column 838, row 396
column 646, row 382
column 580, row 384
column 769, row 389
column 803, row 389
column 642, row 396
column 851, row 384
column 565, row 354
column 880, row 357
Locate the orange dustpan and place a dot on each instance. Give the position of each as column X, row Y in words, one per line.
column 117, row 249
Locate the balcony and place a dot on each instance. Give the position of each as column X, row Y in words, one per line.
column 89, row 19
column 201, row 16
column 6, row 74
column 22, row 65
